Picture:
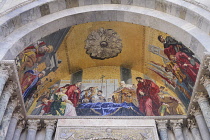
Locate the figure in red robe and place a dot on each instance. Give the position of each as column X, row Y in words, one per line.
column 73, row 92
column 187, row 64
column 172, row 46
column 147, row 94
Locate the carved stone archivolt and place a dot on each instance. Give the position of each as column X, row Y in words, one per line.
column 103, row 44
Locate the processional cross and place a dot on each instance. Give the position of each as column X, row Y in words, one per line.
column 102, row 79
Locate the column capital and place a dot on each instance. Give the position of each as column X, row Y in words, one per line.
column 195, row 111
column 205, row 80
column 50, row 124
column 10, row 86
column 162, row 124
column 176, row 124
column 200, row 96
column 33, row 124
column 21, row 124
column 206, row 63
column 17, row 115
column 5, row 70
column 13, row 103
column 191, row 123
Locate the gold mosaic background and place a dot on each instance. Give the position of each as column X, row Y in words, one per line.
column 134, row 55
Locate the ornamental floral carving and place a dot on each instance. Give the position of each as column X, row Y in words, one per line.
column 103, row 44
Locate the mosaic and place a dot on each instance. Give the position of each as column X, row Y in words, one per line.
column 72, row 74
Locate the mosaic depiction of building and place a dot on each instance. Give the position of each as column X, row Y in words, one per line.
column 107, row 69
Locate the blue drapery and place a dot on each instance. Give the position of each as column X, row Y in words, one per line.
column 108, row 109
column 29, row 89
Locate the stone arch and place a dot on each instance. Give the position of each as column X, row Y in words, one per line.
column 182, row 30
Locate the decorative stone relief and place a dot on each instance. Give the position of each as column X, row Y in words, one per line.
column 110, row 133
column 103, row 44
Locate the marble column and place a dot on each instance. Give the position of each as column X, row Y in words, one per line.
column 4, row 99
column 162, row 129
column 201, row 123
column 194, row 129
column 32, row 129
column 205, row 81
column 202, row 99
column 7, row 117
column 177, row 128
column 13, row 123
column 50, row 127
column 18, row 131
column 4, row 75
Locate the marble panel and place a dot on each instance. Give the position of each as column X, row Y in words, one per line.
column 30, row 15
column 127, row 2
column 141, row 3
column 160, row 6
column 204, row 25
column 183, row 12
column 191, row 17
column 57, row 6
column 6, row 29
column 150, row 4
column 115, row 1
column 44, row 9
column 72, row 3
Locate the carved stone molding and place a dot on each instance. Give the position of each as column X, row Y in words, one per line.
column 33, row 124
column 200, row 96
column 191, row 123
column 50, row 124
column 162, row 124
column 176, row 124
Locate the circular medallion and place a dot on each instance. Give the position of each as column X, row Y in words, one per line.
column 103, row 44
